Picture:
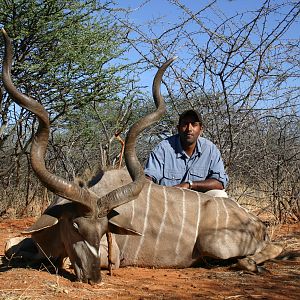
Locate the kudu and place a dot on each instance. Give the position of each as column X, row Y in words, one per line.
column 155, row 226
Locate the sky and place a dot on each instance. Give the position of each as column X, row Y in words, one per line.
column 170, row 14
column 156, row 8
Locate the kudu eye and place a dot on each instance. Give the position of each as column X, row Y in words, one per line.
column 75, row 225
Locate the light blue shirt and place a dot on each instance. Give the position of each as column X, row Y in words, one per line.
column 169, row 165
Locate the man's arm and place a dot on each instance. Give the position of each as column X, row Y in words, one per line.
column 217, row 179
column 202, row 186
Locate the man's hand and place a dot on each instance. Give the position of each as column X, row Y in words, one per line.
column 184, row 185
column 202, row 186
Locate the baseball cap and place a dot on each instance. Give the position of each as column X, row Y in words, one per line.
column 190, row 112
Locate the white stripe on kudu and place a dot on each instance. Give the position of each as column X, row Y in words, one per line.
column 162, row 224
column 145, row 223
column 226, row 242
column 226, row 212
column 218, row 212
column 131, row 221
column 217, row 217
column 92, row 249
column 182, row 227
column 198, row 217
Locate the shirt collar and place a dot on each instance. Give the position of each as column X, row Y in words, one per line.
column 180, row 152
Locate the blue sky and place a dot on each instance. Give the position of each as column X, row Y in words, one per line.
column 169, row 15
column 221, row 10
column 162, row 8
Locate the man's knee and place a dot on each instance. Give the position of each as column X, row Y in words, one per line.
column 217, row 193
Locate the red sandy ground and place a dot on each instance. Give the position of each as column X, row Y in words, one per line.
column 281, row 281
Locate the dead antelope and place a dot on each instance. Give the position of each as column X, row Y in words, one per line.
column 153, row 225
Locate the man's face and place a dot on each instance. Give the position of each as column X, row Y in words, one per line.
column 189, row 129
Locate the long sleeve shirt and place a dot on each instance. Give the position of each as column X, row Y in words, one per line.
column 169, row 165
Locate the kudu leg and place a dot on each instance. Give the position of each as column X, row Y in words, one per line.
column 250, row 263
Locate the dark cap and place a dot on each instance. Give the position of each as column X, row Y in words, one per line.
column 191, row 112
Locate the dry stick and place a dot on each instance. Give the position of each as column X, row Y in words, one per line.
column 108, row 234
column 117, row 135
column 109, row 251
column 48, row 258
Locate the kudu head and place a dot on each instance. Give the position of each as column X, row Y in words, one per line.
column 81, row 216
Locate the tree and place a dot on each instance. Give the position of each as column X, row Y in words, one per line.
column 68, row 56
column 242, row 72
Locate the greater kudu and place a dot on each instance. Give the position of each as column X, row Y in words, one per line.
column 156, row 226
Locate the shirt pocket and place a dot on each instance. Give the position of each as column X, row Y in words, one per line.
column 198, row 174
column 171, row 177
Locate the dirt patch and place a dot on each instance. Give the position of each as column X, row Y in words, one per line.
column 280, row 281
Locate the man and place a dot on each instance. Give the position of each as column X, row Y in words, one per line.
column 188, row 160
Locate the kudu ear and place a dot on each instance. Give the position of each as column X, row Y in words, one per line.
column 119, row 224
column 45, row 221
column 51, row 215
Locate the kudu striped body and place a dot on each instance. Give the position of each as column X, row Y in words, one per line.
column 179, row 227
column 154, row 225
